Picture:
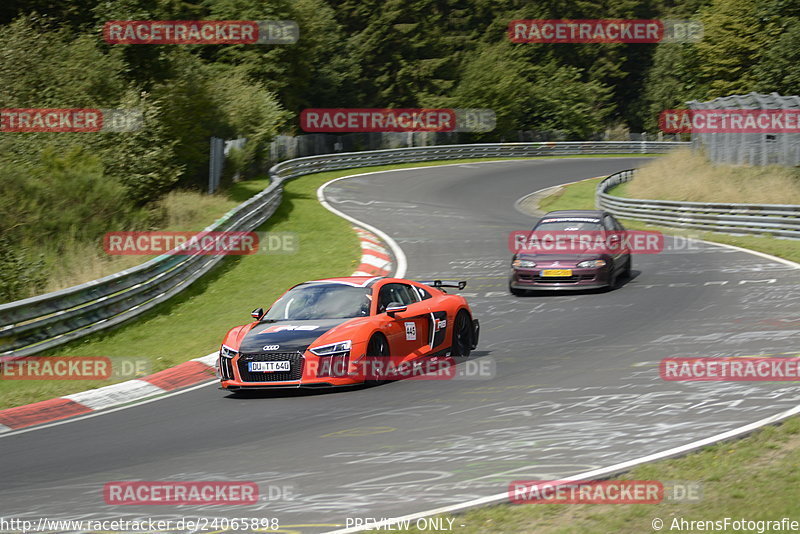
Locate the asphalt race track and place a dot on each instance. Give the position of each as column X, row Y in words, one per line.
column 575, row 383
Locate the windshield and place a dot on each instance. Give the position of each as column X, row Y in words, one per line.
column 569, row 225
column 321, row 301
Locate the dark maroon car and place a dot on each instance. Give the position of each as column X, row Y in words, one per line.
column 580, row 264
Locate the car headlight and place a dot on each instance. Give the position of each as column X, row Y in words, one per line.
column 332, row 348
column 523, row 264
column 227, row 352
column 592, row 264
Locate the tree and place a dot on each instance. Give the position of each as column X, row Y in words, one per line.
column 779, row 67
column 530, row 96
column 735, row 36
column 671, row 82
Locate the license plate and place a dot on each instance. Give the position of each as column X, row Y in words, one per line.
column 269, row 367
column 557, row 272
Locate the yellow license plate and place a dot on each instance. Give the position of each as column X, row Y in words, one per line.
column 557, row 272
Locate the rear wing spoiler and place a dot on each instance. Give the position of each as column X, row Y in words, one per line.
column 438, row 284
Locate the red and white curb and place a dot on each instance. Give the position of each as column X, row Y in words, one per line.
column 376, row 260
column 183, row 375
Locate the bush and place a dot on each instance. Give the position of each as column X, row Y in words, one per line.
column 19, row 276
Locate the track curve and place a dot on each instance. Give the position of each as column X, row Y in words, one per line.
column 576, row 384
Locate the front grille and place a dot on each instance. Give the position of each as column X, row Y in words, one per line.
column 556, row 279
column 225, row 368
column 334, row 365
column 295, row 374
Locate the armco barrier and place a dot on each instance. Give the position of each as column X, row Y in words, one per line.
column 39, row 323
column 329, row 162
column 781, row 220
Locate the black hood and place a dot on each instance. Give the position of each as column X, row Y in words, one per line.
column 289, row 335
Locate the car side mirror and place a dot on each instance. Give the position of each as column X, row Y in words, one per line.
column 257, row 314
column 395, row 307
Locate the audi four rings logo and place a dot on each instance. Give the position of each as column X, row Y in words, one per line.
column 271, row 347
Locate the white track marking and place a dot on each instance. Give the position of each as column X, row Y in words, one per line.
column 595, row 474
column 375, row 261
column 521, row 199
column 210, row 359
column 367, row 246
column 764, row 255
column 104, row 412
column 115, row 394
column 397, row 252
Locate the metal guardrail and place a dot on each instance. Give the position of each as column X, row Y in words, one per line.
column 38, row 323
column 782, row 220
column 329, row 162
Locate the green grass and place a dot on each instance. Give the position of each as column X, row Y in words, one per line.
column 193, row 323
column 755, row 478
column 577, row 196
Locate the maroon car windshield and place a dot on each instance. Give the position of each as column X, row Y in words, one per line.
column 577, row 224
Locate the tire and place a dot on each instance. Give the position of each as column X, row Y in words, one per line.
column 517, row 292
column 462, row 335
column 613, row 278
column 377, row 347
column 626, row 272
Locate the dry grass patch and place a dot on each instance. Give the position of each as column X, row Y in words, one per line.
column 190, row 210
column 71, row 262
column 689, row 176
column 80, row 262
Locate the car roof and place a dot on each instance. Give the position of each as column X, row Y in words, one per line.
column 597, row 214
column 355, row 281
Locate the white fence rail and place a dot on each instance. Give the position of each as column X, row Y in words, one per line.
column 781, row 220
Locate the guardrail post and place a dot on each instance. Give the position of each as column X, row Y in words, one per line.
column 215, row 161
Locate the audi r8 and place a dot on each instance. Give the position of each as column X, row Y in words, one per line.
column 333, row 332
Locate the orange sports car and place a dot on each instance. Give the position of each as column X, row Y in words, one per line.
column 345, row 331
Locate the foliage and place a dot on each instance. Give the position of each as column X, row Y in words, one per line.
column 351, row 53
column 19, row 276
